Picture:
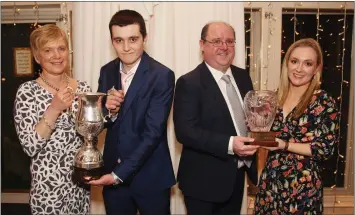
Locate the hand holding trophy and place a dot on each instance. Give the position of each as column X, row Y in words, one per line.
column 260, row 109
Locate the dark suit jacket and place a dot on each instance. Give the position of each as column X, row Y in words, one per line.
column 203, row 125
column 138, row 137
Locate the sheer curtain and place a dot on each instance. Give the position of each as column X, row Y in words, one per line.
column 174, row 30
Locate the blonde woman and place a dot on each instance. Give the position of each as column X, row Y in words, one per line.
column 307, row 125
column 46, row 129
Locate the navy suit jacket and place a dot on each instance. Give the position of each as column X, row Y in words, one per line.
column 138, row 137
column 203, row 125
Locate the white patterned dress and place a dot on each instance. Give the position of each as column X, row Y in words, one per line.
column 52, row 189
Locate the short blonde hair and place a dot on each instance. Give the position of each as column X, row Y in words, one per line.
column 315, row 82
column 47, row 33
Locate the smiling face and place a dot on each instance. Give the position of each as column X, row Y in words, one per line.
column 302, row 66
column 53, row 57
column 221, row 57
column 128, row 43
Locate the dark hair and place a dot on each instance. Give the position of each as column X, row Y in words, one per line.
column 205, row 30
column 128, row 17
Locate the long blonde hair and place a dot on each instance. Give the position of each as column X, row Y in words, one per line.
column 284, row 87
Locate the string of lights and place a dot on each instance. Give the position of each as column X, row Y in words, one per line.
column 252, row 62
column 64, row 23
column 294, row 19
column 35, row 24
column 15, row 13
column 271, row 19
column 319, row 26
column 340, row 99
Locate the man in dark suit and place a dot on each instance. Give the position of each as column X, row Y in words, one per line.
column 136, row 154
column 212, row 129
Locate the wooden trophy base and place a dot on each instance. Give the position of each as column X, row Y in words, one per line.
column 263, row 138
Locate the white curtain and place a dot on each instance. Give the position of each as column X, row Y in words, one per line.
column 174, row 30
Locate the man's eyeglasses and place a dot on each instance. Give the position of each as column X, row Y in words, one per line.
column 219, row 43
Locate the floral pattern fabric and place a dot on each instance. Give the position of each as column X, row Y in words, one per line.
column 291, row 183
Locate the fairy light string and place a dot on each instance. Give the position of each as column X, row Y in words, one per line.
column 271, row 19
column 251, row 54
column 294, row 23
column 64, row 22
column 252, row 64
column 35, row 24
column 340, row 99
column 317, row 35
column 14, row 14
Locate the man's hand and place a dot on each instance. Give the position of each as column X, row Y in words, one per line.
column 241, row 149
column 114, row 100
column 104, row 180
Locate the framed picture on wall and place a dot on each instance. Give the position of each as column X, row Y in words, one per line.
column 23, row 62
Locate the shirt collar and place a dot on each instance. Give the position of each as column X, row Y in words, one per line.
column 133, row 70
column 217, row 75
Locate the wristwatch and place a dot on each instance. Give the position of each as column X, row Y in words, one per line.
column 117, row 179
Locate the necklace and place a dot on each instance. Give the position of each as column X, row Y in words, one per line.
column 51, row 85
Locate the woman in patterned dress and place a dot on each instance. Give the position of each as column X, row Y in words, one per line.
column 306, row 124
column 46, row 128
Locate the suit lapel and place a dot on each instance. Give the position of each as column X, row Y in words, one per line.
column 117, row 76
column 243, row 89
column 137, row 82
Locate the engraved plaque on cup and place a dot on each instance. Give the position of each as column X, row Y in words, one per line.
column 89, row 122
column 260, row 110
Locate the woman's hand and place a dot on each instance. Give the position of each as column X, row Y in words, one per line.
column 63, row 99
column 281, row 145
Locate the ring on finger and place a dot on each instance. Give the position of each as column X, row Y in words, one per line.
column 70, row 89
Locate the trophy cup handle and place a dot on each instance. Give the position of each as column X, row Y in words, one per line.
column 104, row 118
column 109, row 115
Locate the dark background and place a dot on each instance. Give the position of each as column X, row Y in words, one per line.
column 15, row 164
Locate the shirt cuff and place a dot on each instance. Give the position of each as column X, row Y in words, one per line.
column 116, row 177
column 230, row 146
column 113, row 118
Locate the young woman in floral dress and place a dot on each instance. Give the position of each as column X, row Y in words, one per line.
column 307, row 124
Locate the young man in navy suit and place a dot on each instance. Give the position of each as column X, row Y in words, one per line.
column 209, row 123
column 139, row 172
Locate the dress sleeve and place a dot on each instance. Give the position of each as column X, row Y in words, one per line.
column 326, row 132
column 86, row 87
column 25, row 117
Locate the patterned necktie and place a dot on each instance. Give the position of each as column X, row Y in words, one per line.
column 125, row 78
column 238, row 114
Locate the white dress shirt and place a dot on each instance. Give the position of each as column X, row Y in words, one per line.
column 127, row 77
column 217, row 75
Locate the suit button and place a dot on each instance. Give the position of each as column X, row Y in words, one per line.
column 118, row 160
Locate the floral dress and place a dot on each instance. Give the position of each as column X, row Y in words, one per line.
column 52, row 190
column 290, row 183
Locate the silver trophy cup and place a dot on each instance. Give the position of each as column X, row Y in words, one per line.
column 89, row 122
column 260, row 109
